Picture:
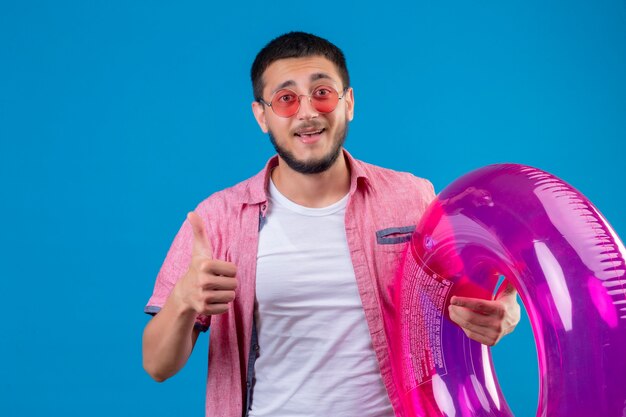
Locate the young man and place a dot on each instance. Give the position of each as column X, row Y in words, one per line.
column 286, row 267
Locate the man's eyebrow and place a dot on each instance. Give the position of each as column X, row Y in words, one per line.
column 320, row 76
column 288, row 83
column 314, row 77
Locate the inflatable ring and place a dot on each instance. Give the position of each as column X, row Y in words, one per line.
column 568, row 266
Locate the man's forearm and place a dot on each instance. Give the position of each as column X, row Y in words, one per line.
column 168, row 340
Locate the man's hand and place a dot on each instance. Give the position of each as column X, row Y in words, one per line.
column 209, row 284
column 207, row 288
column 487, row 321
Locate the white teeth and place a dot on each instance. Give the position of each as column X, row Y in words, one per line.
column 317, row 132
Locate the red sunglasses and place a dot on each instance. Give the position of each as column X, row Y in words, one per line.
column 286, row 103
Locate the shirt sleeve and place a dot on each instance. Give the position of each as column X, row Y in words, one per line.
column 425, row 190
column 430, row 191
column 174, row 267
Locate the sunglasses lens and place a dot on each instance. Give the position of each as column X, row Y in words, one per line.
column 324, row 99
column 285, row 103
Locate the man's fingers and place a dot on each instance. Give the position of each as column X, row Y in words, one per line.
column 211, row 285
column 476, row 326
column 213, row 309
column 217, row 302
column 471, row 328
column 217, row 267
column 219, row 297
column 219, row 283
column 476, row 304
column 461, row 315
column 485, row 321
column 201, row 243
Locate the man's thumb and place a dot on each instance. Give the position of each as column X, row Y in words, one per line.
column 201, row 244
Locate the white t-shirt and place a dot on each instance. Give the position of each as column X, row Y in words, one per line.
column 316, row 356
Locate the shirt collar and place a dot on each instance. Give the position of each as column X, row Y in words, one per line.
column 258, row 185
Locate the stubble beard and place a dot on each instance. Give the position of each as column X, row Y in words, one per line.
column 314, row 166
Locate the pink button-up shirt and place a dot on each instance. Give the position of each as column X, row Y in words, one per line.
column 383, row 208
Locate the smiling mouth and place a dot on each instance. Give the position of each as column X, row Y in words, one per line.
column 308, row 134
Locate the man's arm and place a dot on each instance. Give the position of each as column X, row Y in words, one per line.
column 168, row 340
column 487, row 321
column 207, row 288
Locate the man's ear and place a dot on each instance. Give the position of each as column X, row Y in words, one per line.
column 259, row 114
column 349, row 98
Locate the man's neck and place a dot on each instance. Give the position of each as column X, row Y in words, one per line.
column 313, row 190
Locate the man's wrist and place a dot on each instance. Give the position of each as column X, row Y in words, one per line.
column 181, row 308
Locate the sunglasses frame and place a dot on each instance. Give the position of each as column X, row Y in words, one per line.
column 309, row 96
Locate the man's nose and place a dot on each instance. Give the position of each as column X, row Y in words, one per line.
column 306, row 110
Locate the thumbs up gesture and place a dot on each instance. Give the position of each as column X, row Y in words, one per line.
column 209, row 284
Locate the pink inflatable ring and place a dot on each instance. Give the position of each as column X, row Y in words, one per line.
column 568, row 266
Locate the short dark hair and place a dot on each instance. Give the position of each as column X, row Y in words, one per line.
column 295, row 45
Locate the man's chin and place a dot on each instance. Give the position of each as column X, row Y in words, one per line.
column 311, row 166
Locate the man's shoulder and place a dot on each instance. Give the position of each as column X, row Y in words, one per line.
column 378, row 170
column 397, row 181
column 239, row 193
column 229, row 201
column 398, row 197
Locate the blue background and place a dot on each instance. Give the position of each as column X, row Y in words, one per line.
column 116, row 118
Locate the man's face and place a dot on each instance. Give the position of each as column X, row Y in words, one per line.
column 309, row 141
